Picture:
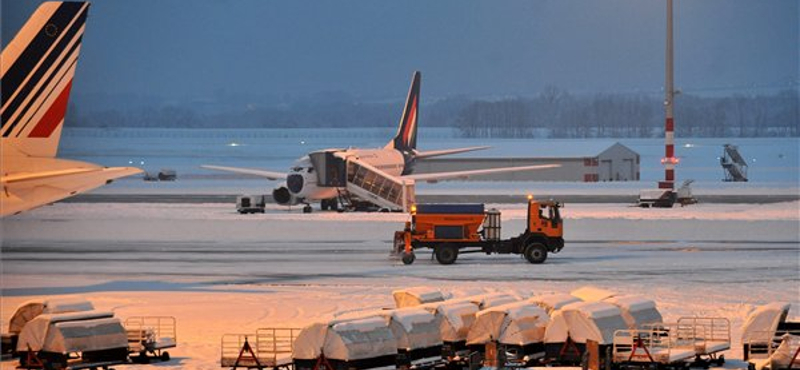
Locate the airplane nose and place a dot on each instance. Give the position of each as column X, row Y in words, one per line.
column 295, row 183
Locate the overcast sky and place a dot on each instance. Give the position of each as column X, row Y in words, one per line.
column 179, row 49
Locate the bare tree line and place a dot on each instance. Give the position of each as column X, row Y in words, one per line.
column 553, row 113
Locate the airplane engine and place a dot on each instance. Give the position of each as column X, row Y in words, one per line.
column 282, row 196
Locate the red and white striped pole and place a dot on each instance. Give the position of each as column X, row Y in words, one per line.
column 669, row 161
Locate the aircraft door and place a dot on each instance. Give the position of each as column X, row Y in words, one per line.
column 331, row 170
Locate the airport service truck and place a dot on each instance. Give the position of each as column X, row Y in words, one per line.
column 451, row 229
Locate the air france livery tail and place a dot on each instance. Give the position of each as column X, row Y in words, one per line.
column 36, row 72
column 406, row 138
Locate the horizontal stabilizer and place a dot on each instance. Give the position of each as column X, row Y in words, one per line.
column 434, row 177
column 25, row 191
column 439, row 153
column 272, row 175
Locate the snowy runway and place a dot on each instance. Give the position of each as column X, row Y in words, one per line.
column 221, row 272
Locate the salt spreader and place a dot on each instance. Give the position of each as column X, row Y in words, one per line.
column 450, row 229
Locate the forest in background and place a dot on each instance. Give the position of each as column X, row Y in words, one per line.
column 553, row 113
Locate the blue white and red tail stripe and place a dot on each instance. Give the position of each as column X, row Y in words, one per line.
column 37, row 67
column 406, row 138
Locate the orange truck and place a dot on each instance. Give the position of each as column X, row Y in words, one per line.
column 451, row 229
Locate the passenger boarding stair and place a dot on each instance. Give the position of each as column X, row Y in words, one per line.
column 375, row 186
column 735, row 166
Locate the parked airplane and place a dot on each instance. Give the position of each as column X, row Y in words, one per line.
column 37, row 69
column 357, row 178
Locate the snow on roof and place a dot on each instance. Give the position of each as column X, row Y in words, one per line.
column 551, row 302
column 636, row 310
column 585, row 320
column 517, row 323
column 416, row 296
column 359, row 339
column 30, row 309
column 65, row 332
column 762, row 322
column 414, row 328
column 456, row 318
column 485, row 301
column 592, row 294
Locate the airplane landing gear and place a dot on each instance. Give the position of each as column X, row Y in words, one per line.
column 307, row 209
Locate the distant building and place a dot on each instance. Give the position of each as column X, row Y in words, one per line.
column 616, row 163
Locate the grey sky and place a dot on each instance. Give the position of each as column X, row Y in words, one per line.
column 179, row 48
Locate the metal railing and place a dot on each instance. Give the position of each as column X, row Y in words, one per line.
column 151, row 329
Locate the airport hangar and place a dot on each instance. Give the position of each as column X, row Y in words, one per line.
column 579, row 164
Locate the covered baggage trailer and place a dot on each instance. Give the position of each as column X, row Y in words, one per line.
column 30, row 309
column 416, row 331
column 592, row 294
column 638, row 312
column 515, row 328
column 455, row 320
column 763, row 325
column 150, row 336
column 484, row 301
column 73, row 340
column 342, row 345
column 572, row 325
column 783, row 353
column 416, row 296
column 553, row 302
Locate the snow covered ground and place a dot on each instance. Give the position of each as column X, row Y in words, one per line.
column 220, row 272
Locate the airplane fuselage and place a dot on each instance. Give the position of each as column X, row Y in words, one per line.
column 310, row 177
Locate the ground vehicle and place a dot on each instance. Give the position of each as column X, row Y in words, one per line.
column 250, row 204
column 450, row 229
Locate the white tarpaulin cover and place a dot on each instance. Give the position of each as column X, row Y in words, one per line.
column 70, row 332
column 783, row 355
column 518, row 323
column 416, row 296
column 585, row 320
column 28, row 310
column 552, row 302
column 636, row 310
column 346, row 340
column 484, row 301
column 761, row 324
column 414, row 328
column 455, row 318
column 592, row 294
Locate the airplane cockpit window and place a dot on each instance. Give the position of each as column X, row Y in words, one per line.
column 297, row 169
column 310, row 169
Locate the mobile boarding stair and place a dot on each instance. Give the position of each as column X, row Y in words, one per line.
column 150, row 336
column 375, row 186
column 734, row 165
column 268, row 348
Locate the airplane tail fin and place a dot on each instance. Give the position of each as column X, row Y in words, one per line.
column 36, row 70
column 406, row 138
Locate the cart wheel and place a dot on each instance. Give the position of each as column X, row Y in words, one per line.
column 164, row 356
column 408, row 258
column 143, row 359
column 446, row 254
column 721, row 360
column 535, row 253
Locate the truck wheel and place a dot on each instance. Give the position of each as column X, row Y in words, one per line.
column 535, row 253
column 408, row 258
column 446, row 254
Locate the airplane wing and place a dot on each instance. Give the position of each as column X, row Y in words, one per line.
column 438, row 153
column 27, row 190
column 434, row 177
column 271, row 175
